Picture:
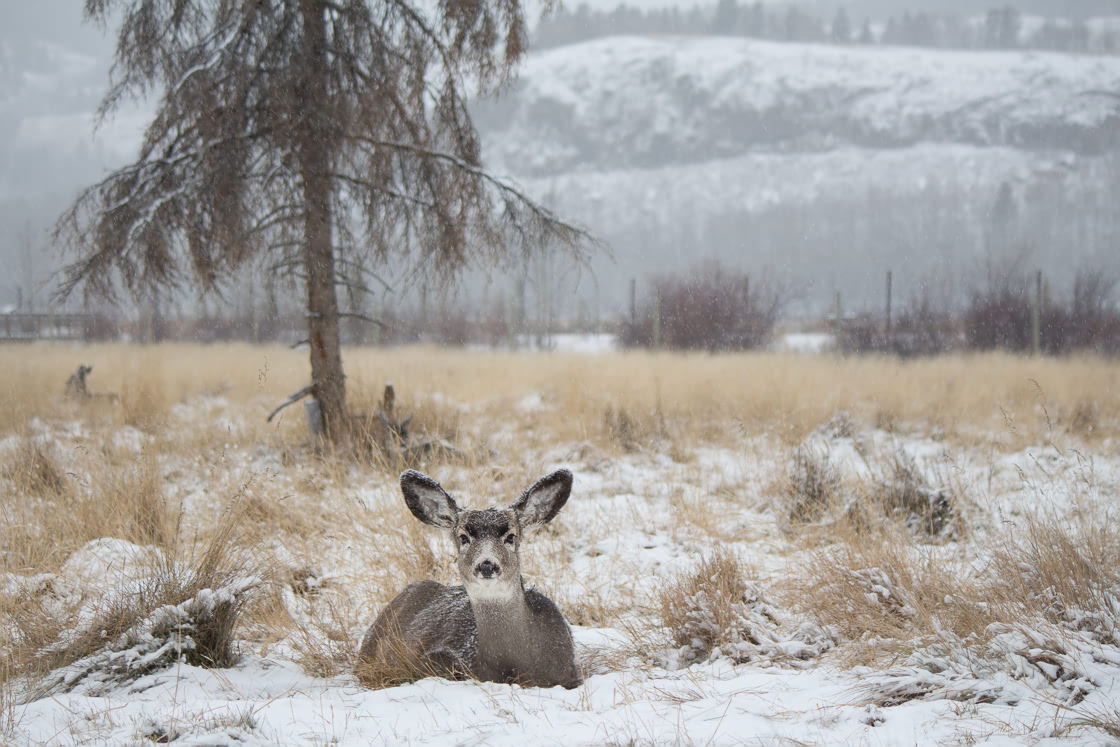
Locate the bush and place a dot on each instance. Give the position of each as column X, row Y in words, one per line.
column 711, row 308
column 1002, row 317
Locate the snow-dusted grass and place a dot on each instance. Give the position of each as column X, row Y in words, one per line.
column 707, row 606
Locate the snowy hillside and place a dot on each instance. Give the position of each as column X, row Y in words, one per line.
column 828, row 164
column 643, row 102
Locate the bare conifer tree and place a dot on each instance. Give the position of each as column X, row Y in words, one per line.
column 316, row 131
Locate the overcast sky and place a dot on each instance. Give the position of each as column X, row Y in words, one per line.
column 61, row 20
column 57, row 20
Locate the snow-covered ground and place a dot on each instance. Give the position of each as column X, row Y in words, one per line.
column 806, row 342
column 633, row 521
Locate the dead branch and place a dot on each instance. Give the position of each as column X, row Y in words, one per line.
column 363, row 317
column 292, row 400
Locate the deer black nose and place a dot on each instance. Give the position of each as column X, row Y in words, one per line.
column 486, row 569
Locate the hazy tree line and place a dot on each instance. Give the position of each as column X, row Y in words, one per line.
column 1001, row 27
column 964, row 267
column 944, row 241
column 1032, row 268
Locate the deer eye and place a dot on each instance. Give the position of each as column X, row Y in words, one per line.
column 464, row 540
column 511, row 538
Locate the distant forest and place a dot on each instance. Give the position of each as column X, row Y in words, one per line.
column 1003, row 27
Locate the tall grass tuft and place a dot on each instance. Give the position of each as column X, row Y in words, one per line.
column 812, row 485
column 706, row 608
column 185, row 601
column 1070, row 575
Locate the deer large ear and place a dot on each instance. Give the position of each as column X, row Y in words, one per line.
column 540, row 503
column 427, row 501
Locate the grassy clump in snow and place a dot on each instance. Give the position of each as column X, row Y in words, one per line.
column 709, row 608
column 1045, row 611
column 168, row 607
column 812, row 485
column 1068, row 575
column 1106, row 720
column 33, row 469
column 47, row 512
column 901, row 492
column 398, row 663
column 719, row 610
column 882, row 591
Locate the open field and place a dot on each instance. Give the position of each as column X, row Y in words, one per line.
column 759, row 549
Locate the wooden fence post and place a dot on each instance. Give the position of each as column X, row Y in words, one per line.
column 888, row 329
column 1036, row 315
column 633, row 302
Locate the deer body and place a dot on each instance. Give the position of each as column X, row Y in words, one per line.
column 491, row 627
column 76, row 384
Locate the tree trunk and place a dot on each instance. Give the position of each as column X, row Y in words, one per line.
column 328, row 382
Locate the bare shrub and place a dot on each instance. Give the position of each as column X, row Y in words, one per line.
column 456, row 322
column 861, row 334
column 999, row 319
column 812, row 485
column 926, row 325
column 711, row 308
column 1094, row 320
column 1001, row 316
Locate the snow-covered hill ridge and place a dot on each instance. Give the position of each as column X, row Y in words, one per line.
column 628, row 102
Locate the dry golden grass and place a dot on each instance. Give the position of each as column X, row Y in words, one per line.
column 704, row 605
column 622, row 396
column 35, row 619
column 888, row 594
column 811, row 487
column 1106, row 720
column 398, row 663
column 50, row 510
column 883, row 592
column 1065, row 574
column 119, row 470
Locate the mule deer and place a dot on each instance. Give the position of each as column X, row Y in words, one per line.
column 76, row 384
column 491, row 627
column 76, row 387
